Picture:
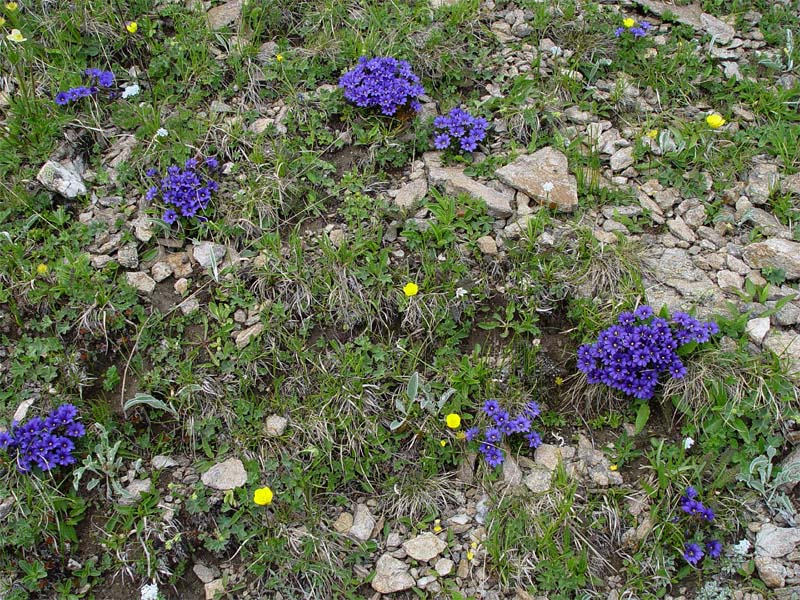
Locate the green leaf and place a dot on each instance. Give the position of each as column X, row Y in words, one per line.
column 149, row 400
column 413, row 386
column 642, row 415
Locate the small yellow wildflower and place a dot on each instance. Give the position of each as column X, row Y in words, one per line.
column 443, row 443
column 410, row 289
column 628, row 23
column 559, row 380
column 453, row 420
column 42, row 269
column 612, row 467
column 262, row 496
column 11, row 6
column 461, row 435
column 132, row 26
column 2, row 21
column 279, row 57
column 16, row 36
column 473, row 545
column 437, row 526
column 715, row 121
column 470, row 555
column 652, row 134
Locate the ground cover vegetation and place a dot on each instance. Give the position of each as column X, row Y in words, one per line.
column 424, row 298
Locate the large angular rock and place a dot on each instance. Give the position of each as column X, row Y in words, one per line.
column 761, row 182
column 775, row 542
column 785, row 344
column 777, row 253
column 424, row 547
column 411, row 193
column 391, row 575
column 544, row 176
column 224, row 14
column 58, row 178
column 208, row 254
column 227, row 475
column 141, row 281
column 363, row 523
column 693, row 16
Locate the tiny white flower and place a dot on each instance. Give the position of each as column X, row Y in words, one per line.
column 688, row 443
column 131, row 90
column 742, row 548
column 162, row 132
column 547, row 187
column 149, row 591
column 461, row 292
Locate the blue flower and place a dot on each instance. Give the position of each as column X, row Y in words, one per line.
column 490, row 407
column 170, row 216
column 441, row 141
column 534, row 439
column 692, row 553
column 460, row 126
column 62, row 98
column 383, row 82
column 714, row 548
column 471, row 433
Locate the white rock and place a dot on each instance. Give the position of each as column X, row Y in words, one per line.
column 411, row 193
column 776, row 253
column 226, row 475
column 444, row 567
column 208, row 254
column 487, row 245
column 58, row 178
column 621, row 159
column 22, row 410
column 141, row 281
column 543, row 176
column 161, row 461
column 539, row 479
column 775, row 542
column 134, row 491
column 276, row 425
column 204, row 573
column 424, row 547
column 214, row 589
column 160, row 271
column 363, row 523
column 243, row 337
column 391, row 575
column 757, row 329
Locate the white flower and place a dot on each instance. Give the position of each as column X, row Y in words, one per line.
column 688, row 443
column 131, row 90
column 162, row 132
column 547, row 187
column 461, row 292
column 149, row 591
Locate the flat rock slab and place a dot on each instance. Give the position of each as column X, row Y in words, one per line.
column 391, row 575
column 776, row 253
column 424, row 547
column 58, row 178
column 363, row 523
column 227, row 475
column 693, row 16
column 545, row 177
column 774, row 542
column 224, row 14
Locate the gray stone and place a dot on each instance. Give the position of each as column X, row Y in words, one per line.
column 204, row 573
column 208, row 254
column 160, row 271
column 244, row 337
column 411, row 193
column 224, row 14
column 55, row 177
column 539, row 479
column 5, row 506
column 512, row 474
column 761, row 182
column 189, row 305
column 549, row 456
column 776, row 253
column 621, row 159
column 775, row 542
column 391, row 575
column 128, row 256
column 487, row 245
column 771, row 572
column 22, row 410
column 757, row 329
column 343, row 522
column 363, row 523
column 424, row 547
column 497, row 203
column 693, row 16
column 143, row 228
column 444, row 566
column 785, row 344
column 226, row 475
column 543, row 176
column 729, row 281
column 791, row 464
column 133, row 492
column 214, row 589
column 220, row 107
column 276, row 425
column 141, row 281
column 680, row 230
column 161, row 462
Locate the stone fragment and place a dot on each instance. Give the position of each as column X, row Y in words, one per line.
column 762, row 181
column 539, row 479
column 621, row 159
column 208, row 254
column 512, row 474
column 424, row 547
column 444, row 566
column 143, row 228
column 204, row 573
column 133, row 492
column 55, row 177
column 276, row 425
column 391, row 575
column 785, row 344
column 214, row 589
column 181, row 266
column 161, row 462
column 128, row 256
column 729, row 280
column 549, row 456
column 693, row 16
column 776, row 253
column 498, row 204
column 543, row 176
column 680, row 230
column 771, row 572
column 775, row 542
column 160, row 271
column 189, row 305
column 411, row 193
column 487, row 245
column 224, row 14
column 141, row 281
column 363, row 523
column 226, row 475
column 757, row 329
column 343, row 522
column 243, row 337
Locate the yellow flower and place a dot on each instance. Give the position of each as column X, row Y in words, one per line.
column 132, row 26
column 262, row 496
column 279, row 57
column 628, row 23
column 612, row 467
column 453, row 420
column 715, row 121
column 473, row 545
column 11, row 6
column 437, row 526
column 461, row 435
column 470, row 555
column 16, row 36
column 652, row 134
column 410, row 289
column 42, row 269
column 443, row 443
column 2, row 21
column 559, row 380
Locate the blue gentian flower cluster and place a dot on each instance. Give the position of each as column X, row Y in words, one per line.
column 383, row 82
column 97, row 79
column 505, row 425
column 44, row 443
column 632, row 355
column 459, row 129
column 691, row 505
column 187, row 191
column 637, row 30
